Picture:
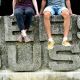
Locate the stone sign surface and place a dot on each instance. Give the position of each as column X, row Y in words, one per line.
column 12, row 30
column 24, row 57
column 64, row 58
column 0, row 61
column 34, row 55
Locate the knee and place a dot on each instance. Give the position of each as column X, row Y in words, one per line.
column 47, row 15
column 66, row 14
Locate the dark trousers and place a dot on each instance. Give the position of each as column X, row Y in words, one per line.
column 24, row 17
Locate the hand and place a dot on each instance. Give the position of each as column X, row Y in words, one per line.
column 12, row 14
column 41, row 12
column 37, row 15
column 70, row 12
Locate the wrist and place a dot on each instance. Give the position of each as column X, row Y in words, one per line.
column 37, row 12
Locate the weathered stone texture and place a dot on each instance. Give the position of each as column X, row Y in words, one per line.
column 0, row 62
column 64, row 58
column 0, row 78
column 78, row 23
column 28, row 57
column 0, row 43
column 33, row 56
column 12, row 30
column 3, row 58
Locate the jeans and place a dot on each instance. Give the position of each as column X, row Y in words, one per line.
column 23, row 17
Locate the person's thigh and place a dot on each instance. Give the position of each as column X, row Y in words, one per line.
column 62, row 10
column 49, row 9
column 18, row 11
column 29, row 11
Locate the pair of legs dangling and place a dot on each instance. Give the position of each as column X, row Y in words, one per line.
column 65, row 14
column 24, row 18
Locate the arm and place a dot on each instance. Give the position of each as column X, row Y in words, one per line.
column 43, row 4
column 13, row 6
column 14, row 3
column 35, row 6
column 68, row 4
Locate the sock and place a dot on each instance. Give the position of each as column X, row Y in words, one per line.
column 50, row 39
column 65, row 38
column 23, row 32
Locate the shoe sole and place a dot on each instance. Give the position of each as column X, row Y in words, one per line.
column 50, row 48
column 66, row 45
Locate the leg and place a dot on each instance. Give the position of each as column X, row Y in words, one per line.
column 47, row 26
column 28, row 18
column 20, row 18
column 66, row 16
column 20, row 21
column 47, row 14
column 29, row 12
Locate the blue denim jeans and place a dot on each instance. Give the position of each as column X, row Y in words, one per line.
column 24, row 17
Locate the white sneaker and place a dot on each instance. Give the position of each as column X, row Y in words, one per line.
column 51, row 44
column 66, row 43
